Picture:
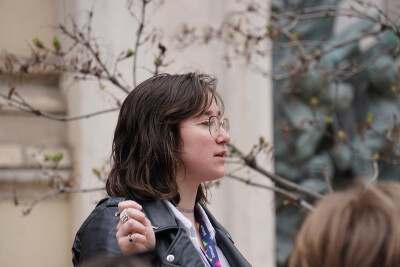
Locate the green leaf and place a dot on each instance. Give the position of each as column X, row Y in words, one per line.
column 37, row 42
column 96, row 172
column 314, row 101
column 56, row 43
column 46, row 156
column 130, row 53
column 57, row 157
column 270, row 28
column 369, row 118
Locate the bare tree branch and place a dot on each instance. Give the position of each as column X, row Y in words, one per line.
column 284, row 183
column 26, row 107
column 293, row 198
column 59, row 191
column 138, row 36
column 87, row 44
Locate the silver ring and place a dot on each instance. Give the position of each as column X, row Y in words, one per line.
column 123, row 217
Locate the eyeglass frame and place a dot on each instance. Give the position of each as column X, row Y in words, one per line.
column 224, row 123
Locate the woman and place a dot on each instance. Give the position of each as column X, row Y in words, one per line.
column 169, row 140
column 357, row 227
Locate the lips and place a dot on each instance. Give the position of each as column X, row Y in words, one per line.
column 220, row 154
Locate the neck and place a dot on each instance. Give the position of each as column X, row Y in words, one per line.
column 187, row 192
column 183, row 210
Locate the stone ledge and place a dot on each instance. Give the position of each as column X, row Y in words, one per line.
column 32, row 130
column 29, row 175
column 40, row 91
column 18, row 156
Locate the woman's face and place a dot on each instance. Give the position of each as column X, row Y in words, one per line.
column 203, row 156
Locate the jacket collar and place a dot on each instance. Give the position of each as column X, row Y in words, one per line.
column 163, row 219
column 159, row 215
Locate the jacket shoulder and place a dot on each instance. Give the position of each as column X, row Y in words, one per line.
column 97, row 234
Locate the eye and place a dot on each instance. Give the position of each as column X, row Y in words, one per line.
column 205, row 123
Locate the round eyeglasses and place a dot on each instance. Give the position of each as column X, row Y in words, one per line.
column 215, row 123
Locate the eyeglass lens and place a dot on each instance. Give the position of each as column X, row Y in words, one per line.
column 215, row 125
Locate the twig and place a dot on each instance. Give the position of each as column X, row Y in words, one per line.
column 250, row 162
column 296, row 199
column 61, row 190
column 86, row 43
column 26, row 107
column 138, row 36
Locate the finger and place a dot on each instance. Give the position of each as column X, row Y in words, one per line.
column 138, row 239
column 131, row 226
column 137, row 215
column 125, row 205
column 137, row 244
column 123, row 218
column 147, row 223
column 128, row 204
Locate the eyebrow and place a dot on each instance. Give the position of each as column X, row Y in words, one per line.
column 209, row 113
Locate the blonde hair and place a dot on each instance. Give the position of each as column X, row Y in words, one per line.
column 359, row 227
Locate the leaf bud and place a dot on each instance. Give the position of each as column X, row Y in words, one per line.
column 314, row 101
column 130, row 53
column 375, row 157
column 328, row 119
column 341, row 135
column 56, row 43
column 157, row 62
column 96, row 172
column 37, row 42
column 369, row 118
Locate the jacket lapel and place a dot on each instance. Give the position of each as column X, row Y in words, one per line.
column 173, row 240
column 173, row 245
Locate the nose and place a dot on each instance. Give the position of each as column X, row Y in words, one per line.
column 223, row 137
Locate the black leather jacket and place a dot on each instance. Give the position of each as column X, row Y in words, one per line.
column 97, row 236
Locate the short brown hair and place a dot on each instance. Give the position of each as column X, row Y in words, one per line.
column 359, row 227
column 146, row 146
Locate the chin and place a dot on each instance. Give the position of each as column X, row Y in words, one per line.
column 219, row 176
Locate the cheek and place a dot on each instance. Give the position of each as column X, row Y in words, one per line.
column 197, row 149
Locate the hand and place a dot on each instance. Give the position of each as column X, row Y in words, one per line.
column 138, row 226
